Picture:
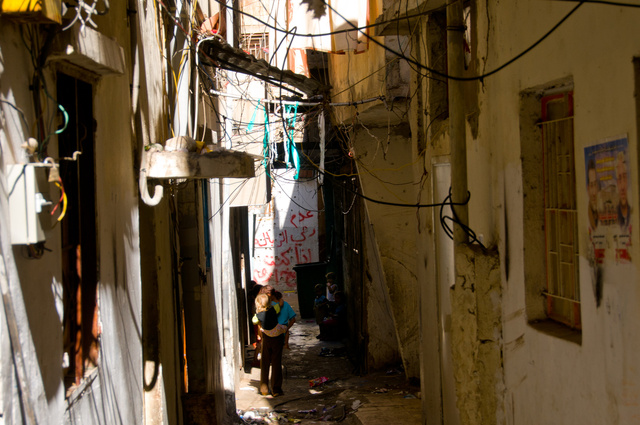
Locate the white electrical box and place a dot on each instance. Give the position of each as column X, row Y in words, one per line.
column 26, row 202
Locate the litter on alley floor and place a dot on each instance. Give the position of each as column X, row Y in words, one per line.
column 321, row 386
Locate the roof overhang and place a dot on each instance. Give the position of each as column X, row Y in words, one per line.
column 402, row 19
column 214, row 51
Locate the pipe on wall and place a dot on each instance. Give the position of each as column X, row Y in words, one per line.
column 457, row 128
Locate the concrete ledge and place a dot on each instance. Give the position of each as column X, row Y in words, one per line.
column 89, row 49
column 184, row 165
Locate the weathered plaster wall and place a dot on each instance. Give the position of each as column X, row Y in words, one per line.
column 383, row 146
column 384, row 158
column 347, row 72
column 549, row 379
column 476, row 337
column 113, row 394
column 161, row 357
column 224, row 351
column 35, row 287
column 161, row 346
column 382, row 349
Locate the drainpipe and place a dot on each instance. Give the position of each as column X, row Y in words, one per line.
column 457, row 129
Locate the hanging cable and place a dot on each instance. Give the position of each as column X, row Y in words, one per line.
column 63, row 201
column 608, row 3
column 470, row 233
column 22, row 116
column 418, row 64
column 455, row 77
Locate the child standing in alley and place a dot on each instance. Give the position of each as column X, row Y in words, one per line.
column 286, row 316
column 272, row 343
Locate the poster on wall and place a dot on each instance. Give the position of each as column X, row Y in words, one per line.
column 609, row 204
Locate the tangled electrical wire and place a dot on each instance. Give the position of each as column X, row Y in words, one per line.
column 456, row 220
column 472, row 237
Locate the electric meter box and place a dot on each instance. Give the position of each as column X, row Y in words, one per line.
column 26, row 202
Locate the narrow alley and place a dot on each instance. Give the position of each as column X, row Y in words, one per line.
column 461, row 177
column 379, row 398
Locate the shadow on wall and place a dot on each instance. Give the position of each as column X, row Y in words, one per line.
column 41, row 301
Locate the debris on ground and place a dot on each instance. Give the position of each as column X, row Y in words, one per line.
column 265, row 416
column 321, row 386
column 258, row 416
column 316, row 382
column 333, row 352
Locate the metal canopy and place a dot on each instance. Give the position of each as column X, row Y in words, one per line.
column 216, row 52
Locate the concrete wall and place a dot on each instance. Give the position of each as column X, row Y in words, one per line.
column 43, row 283
column 224, row 351
column 381, row 142
column 534, row 376
column 380, row 152
column 113, row 393
column 380, row 327
column 543, row 376
column 548, row 378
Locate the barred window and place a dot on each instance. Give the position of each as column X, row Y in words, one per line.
column 560, row 211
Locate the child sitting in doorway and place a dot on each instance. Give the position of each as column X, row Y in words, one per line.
column 334, row 327
column 320, row 305
column 332, row 287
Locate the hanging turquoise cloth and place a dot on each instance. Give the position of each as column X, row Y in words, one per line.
column 265, row 143
column 294, row 150
column 253, row 117
column 287, row 135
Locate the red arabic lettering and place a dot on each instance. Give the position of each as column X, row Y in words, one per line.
column 267, row 238
column 303, row 237
column 264, row 241
column 283, row 239
column 303, row 255
column 302, row 217
column 261, row 276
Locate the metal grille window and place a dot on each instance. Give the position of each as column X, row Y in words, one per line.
column 256, row 45
column 561, row 227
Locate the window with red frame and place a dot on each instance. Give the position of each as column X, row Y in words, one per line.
column 560, row 215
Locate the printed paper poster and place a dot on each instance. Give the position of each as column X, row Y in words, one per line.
column 609, row 204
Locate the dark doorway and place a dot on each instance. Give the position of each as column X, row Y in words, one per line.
column 78, row 229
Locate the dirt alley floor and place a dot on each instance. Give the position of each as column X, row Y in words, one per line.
column 336, row 401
